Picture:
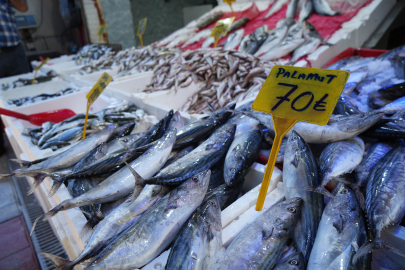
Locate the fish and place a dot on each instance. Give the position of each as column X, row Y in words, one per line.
column 294, row 32
column 276, row 6
column 199, row 239
column 204, row 22
column 197, row 37
column 242, row 153
column 201, row 158
column 249, row 44
column 376, row 101
column 179, row 155
column 393, row 92
column 175, row 34
column 66, row 135
column 208, row 42
column 261, row 243
column 286, row 21
column 157, row 228
column 121, row 183
column 357, row 64
column 311, row 32
column 341, row 230
column 181, row 39
column 394, row 106
column 306, row 10
column 274, row 38
column 343, row 62
column 261, row 34
column 226, row 195
column 337, row 159
column 238, row 24
column 123, row 130
column 322, row 8
column 375, row 153
column 294, row 261
column 283, row 49
column 309, row 46
column 384, row 199
column 300, row 169
column 234, row 39
column 291, row 9
column 55, row 143
column 345, row 106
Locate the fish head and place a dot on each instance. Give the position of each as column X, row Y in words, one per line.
column 211, row 213
column 223, row 114
column 177, row 121
column 193, row 190
column 294, row 261
column 343, row 203
column 358, row 123
column 167, row 119
column 296, row 149
column 280, row 219
column 124, row 130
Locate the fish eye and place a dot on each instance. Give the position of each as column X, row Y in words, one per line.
column 232, row 170
column 292, row 210
column 212, row 203
column 293, row 262
column 344, row 191
column 195, row 179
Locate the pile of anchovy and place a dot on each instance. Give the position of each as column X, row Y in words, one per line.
column 41, row 97
column 229, row 76
column 92, row 52
column 121, row 114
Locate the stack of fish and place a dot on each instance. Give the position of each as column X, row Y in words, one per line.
column 28, row 81
column 92, row 52
column 55, row 136
column 229, row 76
column 28, row 100
column 188, row 174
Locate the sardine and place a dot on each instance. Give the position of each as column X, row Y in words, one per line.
column 309, row 46
column 374, row 154
column 157, row 228
column 384, row 199
column 340, row 231
column 291, row 9
column 300, row 170
column 234, row 39
column 199, row 239
column 276, row 6
column 322, row 8
column 306, row 10
column 261, row 243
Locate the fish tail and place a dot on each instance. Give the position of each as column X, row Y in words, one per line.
column 51, row 213
column 58, row 262
column 321, row 190
column 371, row 245
column 55, row 186
column 38, row 178
column 139, row 184
column 6, row 175
column 23, row 163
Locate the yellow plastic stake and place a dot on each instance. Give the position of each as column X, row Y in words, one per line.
column 141, row 29
column 38, row 68
column 221, row 29
column 230, row 5
column 100, row 32
column 292, row 94
column 94, row 93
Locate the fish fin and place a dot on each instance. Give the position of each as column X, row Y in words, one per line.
column 87, row 229
column 375, row 244
column 58, row 262
column 49, row 214
column 37, row 181
column 267, row 232
column 55, row 186
column 139, row 184
column 23, row 163
column 338, row 224
column 356, row 189
column 6, row 175
column 321, row 189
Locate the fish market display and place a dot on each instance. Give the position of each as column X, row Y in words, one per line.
column 92, row 52
column 119, row 113
column 29, row 100
column 40, row 78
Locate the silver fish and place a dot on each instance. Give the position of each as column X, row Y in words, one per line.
column 66, row 135
column 294, row 261
column 291, row 9
column 234, row 39
column 384, row 199
column 197, row 37
column 276, row 6
column 322, row 8
column 204, row 22
column 249, row 44
column 374, row 154
column 199, row 240
column 282, row 49
column 157, row 228
column 343, row 62
column 208, row 42
column 261, row 243
column 356, row 64
column 311, row 32
column 274, row 38
column 394, row 106
column 286, row 21
column 309, row 46
column 261, row 34
column 340, row 231
column 238, row 24
column 306, row 10
column 300, row 170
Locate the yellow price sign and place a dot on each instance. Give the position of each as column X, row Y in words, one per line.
column 38, row 68
column 221, row 29
column 94, row 93
column 101, row 30
column 292, row 94
column 141, row 29
column 229, row 2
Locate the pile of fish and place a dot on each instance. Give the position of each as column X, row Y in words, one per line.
column 29, row 100
column 121, row 114
column 228, row 76
column 28, row 81
column 92, row 52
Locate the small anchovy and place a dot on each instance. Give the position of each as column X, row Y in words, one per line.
column 306, row 10
column 199, row 239
column 374, row 154
column 322, row 8
column 294, row 261
column 261, row 243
